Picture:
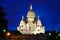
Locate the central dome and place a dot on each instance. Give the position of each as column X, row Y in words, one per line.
column 30, row 12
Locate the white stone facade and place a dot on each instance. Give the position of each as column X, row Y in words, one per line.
column 31, row 25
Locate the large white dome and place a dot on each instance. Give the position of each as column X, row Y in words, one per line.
column 30, row 14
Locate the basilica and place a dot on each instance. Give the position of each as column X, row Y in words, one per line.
column 31, row 25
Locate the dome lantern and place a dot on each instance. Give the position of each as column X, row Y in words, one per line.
column 30, row 6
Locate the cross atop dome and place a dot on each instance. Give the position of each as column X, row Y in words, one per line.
column 30, row 6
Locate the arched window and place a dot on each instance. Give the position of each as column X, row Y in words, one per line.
column 38, row 25
column 29, row 28
column 38, row 30
column 21, row 25
column 21, row 29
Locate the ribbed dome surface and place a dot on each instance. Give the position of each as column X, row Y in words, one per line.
column 30, row 14
column 39, row 22
column 22, row 22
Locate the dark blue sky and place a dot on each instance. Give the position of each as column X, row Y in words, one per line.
column 48, row 10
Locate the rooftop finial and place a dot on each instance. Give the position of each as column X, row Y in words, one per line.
column 38, row 17
column 22, row 17
column 30, row 6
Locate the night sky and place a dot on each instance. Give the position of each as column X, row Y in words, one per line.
column 48, row 10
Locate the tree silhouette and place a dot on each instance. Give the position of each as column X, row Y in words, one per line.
column 3, row 22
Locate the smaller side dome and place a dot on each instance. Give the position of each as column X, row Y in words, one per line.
column 22, row 21
column 38, row 21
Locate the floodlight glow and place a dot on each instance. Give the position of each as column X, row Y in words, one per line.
column 4, row 30
column 8, row 34
column 59, row 34
column 49, row 33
